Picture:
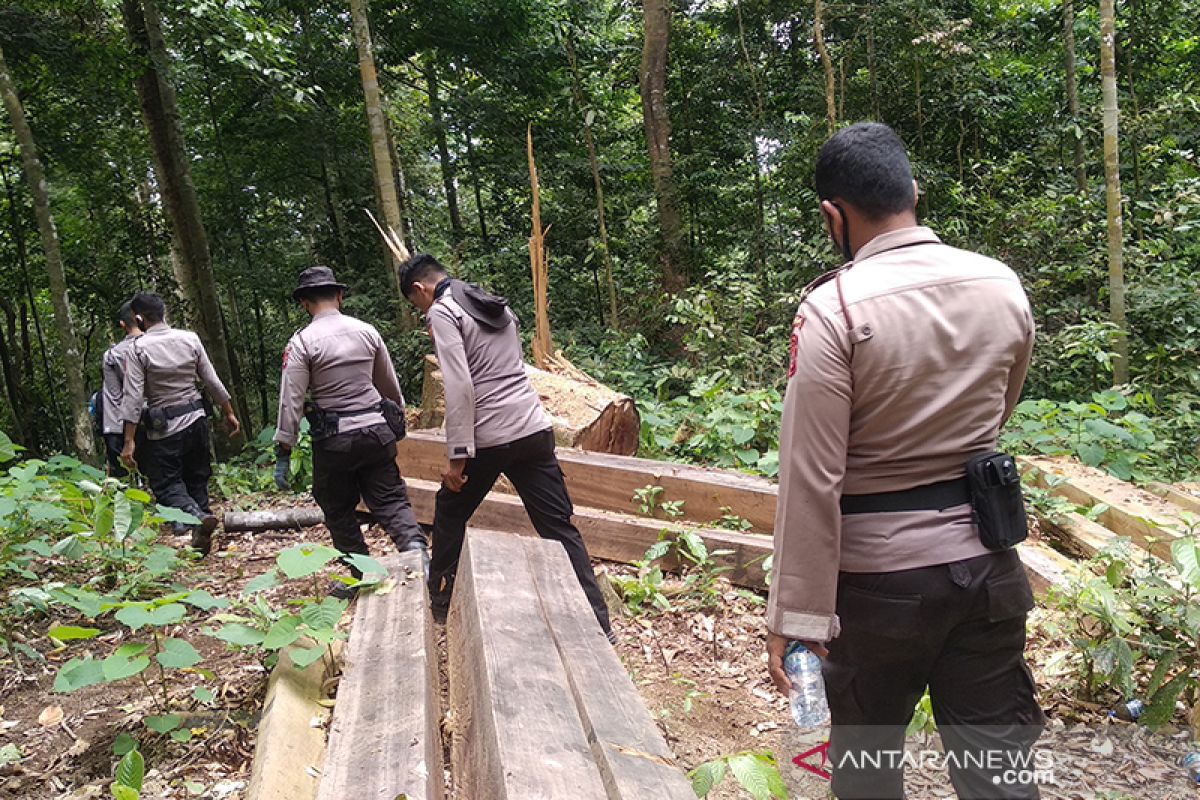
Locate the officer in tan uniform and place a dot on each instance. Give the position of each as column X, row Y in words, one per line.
column 161, row 374
column 495, row 424
column 904, row 364
column 356, row 415
column 112, row 373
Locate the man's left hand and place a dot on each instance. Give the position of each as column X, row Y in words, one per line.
column 452, row 476
column 232, row 425
column 127, row 456
column 776, row 648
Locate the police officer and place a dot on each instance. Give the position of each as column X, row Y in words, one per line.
column 356, row 415
column 495, row 424
column 112, row 373
column 903, row 365
column 161, row 374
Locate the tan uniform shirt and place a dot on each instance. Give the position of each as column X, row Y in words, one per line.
column 112, row 372
column 344, row 363
column 489, row 399
column 163, row 367
column 901, row 369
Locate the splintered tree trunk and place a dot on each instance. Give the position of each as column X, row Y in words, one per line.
column 381, row 153
column 190, row 254
column 653, row 86
column 539, row 268
column 439, row 128
column 82, row 440
column 826, row 65
column 1072, row 87
column 1112, row 190
column 593, row 161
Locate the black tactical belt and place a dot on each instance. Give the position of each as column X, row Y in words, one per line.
column 183, row 408
column 357, row 412
column 931, row 497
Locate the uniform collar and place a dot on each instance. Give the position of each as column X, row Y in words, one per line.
column 158, row 327
column 329, row 312
column 904, row 237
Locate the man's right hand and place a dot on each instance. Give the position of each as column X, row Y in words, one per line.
column 127, row 456
column 452, row 476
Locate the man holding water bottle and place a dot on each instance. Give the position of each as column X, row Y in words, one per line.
column 893, row 537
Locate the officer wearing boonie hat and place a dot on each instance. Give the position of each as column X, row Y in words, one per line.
column 355, row 413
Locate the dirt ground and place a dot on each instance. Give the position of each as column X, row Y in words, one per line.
column 702, row 675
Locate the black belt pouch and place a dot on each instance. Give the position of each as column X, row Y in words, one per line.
column 394, row 415
column 996, row 501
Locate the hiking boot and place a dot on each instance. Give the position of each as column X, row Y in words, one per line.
column 203, row 534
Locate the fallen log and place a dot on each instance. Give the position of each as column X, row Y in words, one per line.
column 584, row 413
column 272, row 519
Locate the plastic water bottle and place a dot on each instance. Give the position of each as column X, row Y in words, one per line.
column 1128, row 711
column 810, row 709
column 1191, row 762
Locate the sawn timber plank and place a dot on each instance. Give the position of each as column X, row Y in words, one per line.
column 633, row 758
column 385, row 740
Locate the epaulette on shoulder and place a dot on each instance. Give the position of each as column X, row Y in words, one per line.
column 821, row 281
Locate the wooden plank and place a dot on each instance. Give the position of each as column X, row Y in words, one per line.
column 1045, row 568
column 1077, row 535
column 608, row 535
column 601, row 480
column 385, row 740
column 1185, row 500
column 516, row 732
column 1146, row 529
column 633, row 758
column 290, row 749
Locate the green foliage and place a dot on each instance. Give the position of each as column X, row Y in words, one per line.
column 130, row 772
column 755, row 771
column 698, row 587
column 251, row 472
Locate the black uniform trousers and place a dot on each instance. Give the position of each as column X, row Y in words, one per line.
column 532, row 467
column 114, row 443
column 958, row 629
column 179, row 467
column 362, row 463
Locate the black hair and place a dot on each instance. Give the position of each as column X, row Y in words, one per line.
column 149, row 307
column 319, row 294
column 125, row 314
column 418, row 268
column 866, row 166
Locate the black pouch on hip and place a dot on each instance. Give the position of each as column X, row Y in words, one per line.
column 155, row 419
column 996, row 501
column 393, row 414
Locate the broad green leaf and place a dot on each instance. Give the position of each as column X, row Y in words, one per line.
column 181, row 735
column 123, row 744
column 39, row 546
column 373, row 572
column 120, row 792
column 162, row 560
column 104, row 516
column 205, row 601
column 131, row 770
column 304, row 657
column 240, row 635
column 137, row 496
column 141, row 615
column 8, row 450
column 324, row 614
column 204, row 695
column 1185, row 552
column 305, row 559
column 1091, row 453
column 70, row 548
column 123, row 517
column 707, row 776
column 78, row 673
column 163, row 724
column 91, row 487
column 125, row 662
column 68, row 633
column 267, row 580
column 9, row 753
column 282, row 633
column 169, row 514
column 758, row 775
column 177, row 654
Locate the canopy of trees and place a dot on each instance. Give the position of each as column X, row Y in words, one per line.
column 211, row 149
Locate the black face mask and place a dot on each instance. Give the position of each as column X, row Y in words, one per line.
column 846, row 252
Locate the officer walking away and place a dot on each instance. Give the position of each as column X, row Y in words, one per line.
column 112, row 374
column 495, row 424
column 904, row 364
column 356, row 415
column 161, row 374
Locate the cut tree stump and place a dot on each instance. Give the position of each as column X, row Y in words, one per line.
column 290, row 748
column 584, row 413
column 542, row 707
column 385, row 741
column 604, row 481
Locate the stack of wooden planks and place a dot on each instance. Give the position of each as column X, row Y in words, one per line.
column 541, row 707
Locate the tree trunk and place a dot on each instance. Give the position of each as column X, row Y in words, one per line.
column 826, row 65
column 478, row 190
column 1072, row 86
column 10, row 363
column 82, row 439
column 594, row 163
column 381, row 153
column 457, row 233
column 1112, row 190
column 756, row 113
column 653, row 87
column 191, row 257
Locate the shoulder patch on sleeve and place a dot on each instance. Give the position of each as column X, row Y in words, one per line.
column 797, row 325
